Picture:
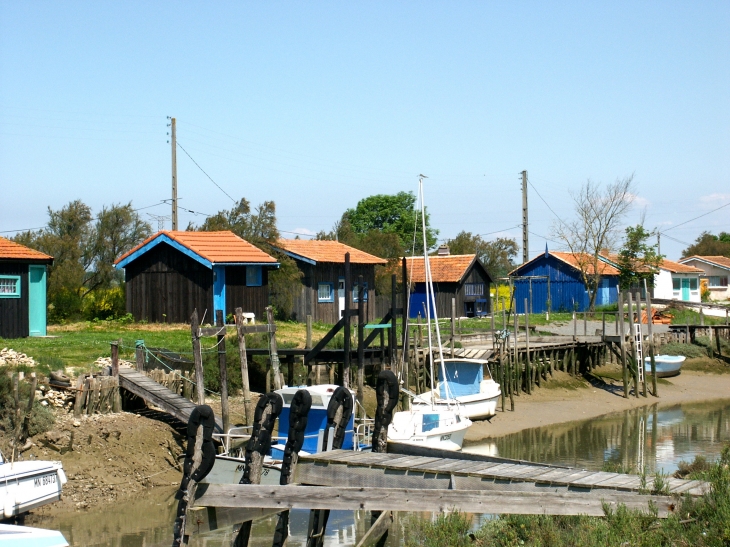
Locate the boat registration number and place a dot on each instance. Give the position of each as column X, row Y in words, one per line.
column 445, row 437
column 242, row 467
column 45, row 480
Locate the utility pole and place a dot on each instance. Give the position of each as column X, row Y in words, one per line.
column 659, row 243
column 525, row 236
column 173, row 142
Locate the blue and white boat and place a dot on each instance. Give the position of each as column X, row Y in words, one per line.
column 229, row 466
column 666, row 365
column 468, row 384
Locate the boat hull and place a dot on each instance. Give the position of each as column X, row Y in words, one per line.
column 229, row 470
column 447, row 440
column 432, row 427
column 27, row 485
column 666, row 365
column 475, row 407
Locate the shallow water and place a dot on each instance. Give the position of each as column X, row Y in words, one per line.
column 648, row 438
column 645, row 437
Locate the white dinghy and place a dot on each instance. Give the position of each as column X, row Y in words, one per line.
column 28, row 485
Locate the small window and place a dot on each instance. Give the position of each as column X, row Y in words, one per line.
column 693, row 283
column 325, row 292
column 253, row 276
column 356, row 292
column 9, row 286
column 717, row 281
column 676, row 283
column 474, row 289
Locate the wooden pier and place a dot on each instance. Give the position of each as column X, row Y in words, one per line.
column 152, row 392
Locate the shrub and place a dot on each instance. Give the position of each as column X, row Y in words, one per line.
column 41, row 418
column 105, row 304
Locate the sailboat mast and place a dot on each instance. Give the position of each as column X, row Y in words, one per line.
column 426, row 273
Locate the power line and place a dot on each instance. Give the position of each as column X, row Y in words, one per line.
column 695, row 218
column 543, row 200
column 206, row 174
column 23, row 230
column 677, row 240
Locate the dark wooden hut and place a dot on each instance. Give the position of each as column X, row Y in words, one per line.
column 322, row 264
column 172, row 273
column 462, row 277
column 22, row 290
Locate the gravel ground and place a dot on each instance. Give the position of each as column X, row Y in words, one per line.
column 567, row 328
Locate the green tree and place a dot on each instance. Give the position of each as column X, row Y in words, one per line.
column 391, row 214
column 637, row 260
column 84, row 251
column 257, row 226
column 708, row 244
column 497, row 255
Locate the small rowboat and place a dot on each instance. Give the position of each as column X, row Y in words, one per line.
column 666, row 365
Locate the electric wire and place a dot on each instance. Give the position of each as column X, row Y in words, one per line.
column 695, row 218
column 206, row 174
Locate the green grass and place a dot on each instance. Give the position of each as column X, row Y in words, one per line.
column 699, row 522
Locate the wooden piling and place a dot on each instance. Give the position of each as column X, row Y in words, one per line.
column 361, row 340
column 247, row 406
column 197, row 357
column 528, row 364
column 453, row 326
column 622, row 343
column 273, row 349
column 649, row 322
column 221, row 343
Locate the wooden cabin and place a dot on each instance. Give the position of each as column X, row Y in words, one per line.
column 552, row 280
column 322, row 264
column 172, row 273
column 460, row 277
column 22, row 290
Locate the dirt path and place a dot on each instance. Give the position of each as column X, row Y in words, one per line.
column 559, row 405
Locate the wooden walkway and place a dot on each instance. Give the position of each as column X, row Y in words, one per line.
column 368, row 469
column 152, row 392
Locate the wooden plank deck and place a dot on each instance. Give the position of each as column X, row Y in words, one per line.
column 152, row 392
column 342, row 468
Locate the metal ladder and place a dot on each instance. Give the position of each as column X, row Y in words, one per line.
column 639, row 351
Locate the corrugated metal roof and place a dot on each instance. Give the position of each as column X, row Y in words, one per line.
column 444, row 269
column 216, row 247
column 15, row 251
column 721, row 261
column 327, row 251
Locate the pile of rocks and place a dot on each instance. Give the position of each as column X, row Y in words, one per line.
column 12, row 357
column 102, row 362
column 47, row 396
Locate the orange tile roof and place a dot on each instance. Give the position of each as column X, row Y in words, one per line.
column 574, row 259
column 721, row 261
column 669, row 265
column 327, row 251
column 444, row 269
column 16, row 251
column 216, row 247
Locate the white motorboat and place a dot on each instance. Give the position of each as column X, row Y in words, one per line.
column 440, row 427
column 27, row 485
column 469, row 384
column 437, row 425
column 25, row 536
column 666, row 365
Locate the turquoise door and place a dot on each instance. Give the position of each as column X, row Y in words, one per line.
column 685, row 289
column 37, row 300
column 219, row 292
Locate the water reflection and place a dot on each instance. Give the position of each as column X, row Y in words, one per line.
column 656, row 437
column 651, row 437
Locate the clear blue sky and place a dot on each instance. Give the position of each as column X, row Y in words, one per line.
column 316, row 105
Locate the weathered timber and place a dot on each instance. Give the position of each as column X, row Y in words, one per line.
column 417, row 500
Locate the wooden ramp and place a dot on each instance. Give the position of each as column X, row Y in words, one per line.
column 152, row 392
column 345, row 468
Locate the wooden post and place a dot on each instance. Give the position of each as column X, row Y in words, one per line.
column 453, row 325
column 115, row 358
column 344, row 379
column 392, row 338
column 518, row 367
column 308, row 344
column 223, row 370
column 641, row 336
column 603, row 325
column 361, row 339
column 197, row 357
column 275, row 369
column 649, row 317
column 585, row 323
column 247, row 406
column 491, row 329
column 528, row 364
column 632, row 344
column 575, row 326
column 511, row 383
column 502, row 373
column 139, row 355
column 404, row 321
column 622, row 342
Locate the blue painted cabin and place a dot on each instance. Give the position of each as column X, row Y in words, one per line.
column 23, row 274
column 173, row 273
column 555, row 276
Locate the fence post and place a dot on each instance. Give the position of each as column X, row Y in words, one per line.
column 247, row 407
column 273, row 349
column 223, row 370
column 197, row 357
column 139, row 355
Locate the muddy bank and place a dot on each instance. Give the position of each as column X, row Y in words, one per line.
column 568, row 399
